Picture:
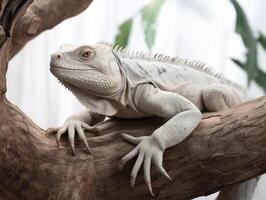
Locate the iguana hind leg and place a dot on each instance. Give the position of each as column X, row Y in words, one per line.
column 216, row 98
column 219, row 97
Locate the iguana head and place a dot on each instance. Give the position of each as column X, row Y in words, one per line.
column 87, row 68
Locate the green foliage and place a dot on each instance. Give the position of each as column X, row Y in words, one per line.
column 251, row 66
column 124, row 33
column 149, row 20
column 260, row 79
column 262, row 40
column 244, row 30
column 149, row 15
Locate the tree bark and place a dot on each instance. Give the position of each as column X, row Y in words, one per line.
column 43, row 15
column 226, row 148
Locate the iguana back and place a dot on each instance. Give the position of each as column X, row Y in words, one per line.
column 183, row 76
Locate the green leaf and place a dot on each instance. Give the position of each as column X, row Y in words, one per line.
column 124, row 33
column 260, row 79
column 262, row 40
column 237, row 62
column 244, row 30
column 150, row 13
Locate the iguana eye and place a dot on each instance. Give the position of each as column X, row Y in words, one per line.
column 86, row 54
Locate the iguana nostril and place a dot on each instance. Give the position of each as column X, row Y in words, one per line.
column 58, row 56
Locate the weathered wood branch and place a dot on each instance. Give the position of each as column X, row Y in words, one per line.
column 10, row 11
column 43, row 15
column 228, row 147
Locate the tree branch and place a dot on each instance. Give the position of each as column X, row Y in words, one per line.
column 43, row 15
column 10, row 11
column 228, row 147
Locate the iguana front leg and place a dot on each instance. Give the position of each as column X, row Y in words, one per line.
column 77, row 124
column 183, row 117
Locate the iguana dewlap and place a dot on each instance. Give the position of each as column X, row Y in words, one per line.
column 116, row 83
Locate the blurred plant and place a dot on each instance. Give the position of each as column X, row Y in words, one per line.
column 262, row 40
column 149, row 16
column 251, row 65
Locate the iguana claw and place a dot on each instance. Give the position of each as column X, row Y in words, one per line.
column 147, row 150
column 72, row 127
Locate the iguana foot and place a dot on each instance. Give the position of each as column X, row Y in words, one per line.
column 147, row 150
column 72, row 126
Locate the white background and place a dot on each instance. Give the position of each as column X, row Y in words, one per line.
column 199, row 29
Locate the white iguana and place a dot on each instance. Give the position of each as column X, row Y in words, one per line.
column 114, row 82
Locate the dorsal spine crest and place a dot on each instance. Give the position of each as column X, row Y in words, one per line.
column 193, row 63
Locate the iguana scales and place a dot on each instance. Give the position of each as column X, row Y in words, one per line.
column 114, row 82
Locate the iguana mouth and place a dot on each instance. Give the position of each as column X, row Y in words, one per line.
column 54, row 64
column 70, row 69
